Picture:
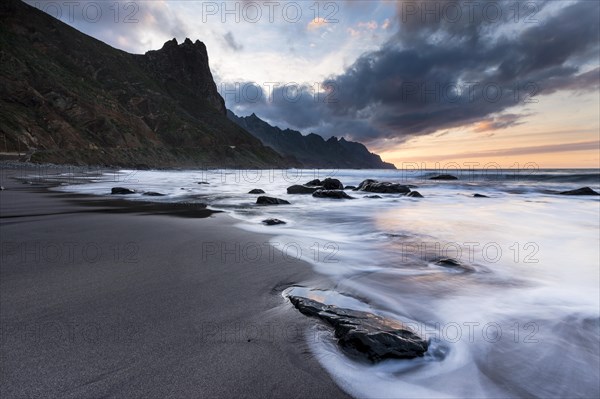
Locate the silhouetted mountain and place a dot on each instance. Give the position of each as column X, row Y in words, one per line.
column 78, row 100
column 311, row 150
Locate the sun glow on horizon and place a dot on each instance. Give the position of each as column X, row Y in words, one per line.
column 559, row 133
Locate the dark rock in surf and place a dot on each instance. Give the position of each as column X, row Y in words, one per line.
column 153, row 194
column 448, row 262
column 121, row 190
column 480, row 196
column 364, row 183
column 580, row 191
column 315, row 182
column 298, row 189
column 364, row 334
column 374, row 186
column 349, row 187
column 443, row 177
column 374, row 196
column 414, row 194
column 256, row 191
column 262, row 200
column 453, row 264
column 332, row 184
column 272, row 222
column 203, row 182
column 336, row 194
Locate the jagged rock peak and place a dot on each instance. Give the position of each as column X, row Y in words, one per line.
column 173, row 43
column 170, row 43
column 185, row 69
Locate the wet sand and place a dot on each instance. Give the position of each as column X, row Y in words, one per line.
column 108, row 299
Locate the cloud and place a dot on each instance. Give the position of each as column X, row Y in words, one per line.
column 353, row 32
column 316, row 23
column 370, row 25
column 530, row 150
column 365, row 28
column 289, row 105
column 499, row 122
column 435, row 75
column 230, row 40
column 133, row 26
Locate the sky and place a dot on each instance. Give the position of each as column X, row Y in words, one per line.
column 432, row 83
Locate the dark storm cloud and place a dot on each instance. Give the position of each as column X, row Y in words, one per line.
column 416, row 87
column 291, row 104
column 437, row 74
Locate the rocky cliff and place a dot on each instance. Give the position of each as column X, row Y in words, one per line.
column 77, row 100
column 312, row 151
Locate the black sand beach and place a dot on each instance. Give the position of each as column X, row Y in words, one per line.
column 105, row 301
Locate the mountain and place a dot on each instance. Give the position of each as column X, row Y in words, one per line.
column 312, row 151
column 77, row 100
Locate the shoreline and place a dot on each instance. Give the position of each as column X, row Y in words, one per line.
column 106, row 300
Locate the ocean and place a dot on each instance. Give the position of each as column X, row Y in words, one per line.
column 518, row 316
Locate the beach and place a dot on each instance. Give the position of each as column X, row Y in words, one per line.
column 103, row 302
column 175, row 286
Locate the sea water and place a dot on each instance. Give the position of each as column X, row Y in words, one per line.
column 520, row 316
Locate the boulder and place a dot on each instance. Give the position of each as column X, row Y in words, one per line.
column 203, row 182
column 443, row 177
column 364, row 183
column 298, row 189
column 374, row 196
column 580, row 191
column 349, row 187
column 315, row 182
column 272, row 222
column 373, row 186
column 365, row 334
column 121, row 190
column 336, row 194
column 480, row 196
column 262, row 200
column 414, row 194
column 332, row 184
column 153, row 194
column 256, row 191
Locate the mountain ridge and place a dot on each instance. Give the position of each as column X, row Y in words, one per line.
column 311, row 150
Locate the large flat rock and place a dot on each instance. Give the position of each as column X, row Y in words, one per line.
column 364, row 334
